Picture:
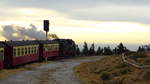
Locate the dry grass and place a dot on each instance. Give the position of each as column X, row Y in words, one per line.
column 142, row 58
column 4, row 73
column 111, row 70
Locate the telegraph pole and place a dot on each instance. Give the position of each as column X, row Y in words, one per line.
column 46, row 27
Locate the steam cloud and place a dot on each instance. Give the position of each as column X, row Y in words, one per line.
column 12, row 32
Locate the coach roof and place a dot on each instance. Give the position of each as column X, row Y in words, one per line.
column 21, row 43
column 47, row 41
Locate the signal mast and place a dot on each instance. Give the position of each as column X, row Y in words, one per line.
column 46, row 27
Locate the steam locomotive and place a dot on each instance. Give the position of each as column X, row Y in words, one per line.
column 14, row 53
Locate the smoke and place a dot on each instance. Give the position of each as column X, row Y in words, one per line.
column 12, row 32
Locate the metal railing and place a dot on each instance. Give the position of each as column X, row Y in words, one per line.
column 133, row 64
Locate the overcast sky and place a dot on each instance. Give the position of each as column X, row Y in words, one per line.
column 99, row 21
column 99, row 10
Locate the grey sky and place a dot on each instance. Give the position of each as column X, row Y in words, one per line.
column 99, row 10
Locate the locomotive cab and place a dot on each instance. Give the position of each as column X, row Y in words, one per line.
column 67, row 47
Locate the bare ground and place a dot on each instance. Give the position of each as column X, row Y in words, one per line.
column 56, row 72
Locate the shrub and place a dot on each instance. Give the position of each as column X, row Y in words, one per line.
column 122, row 65
column 125, row 71
column 105, row 76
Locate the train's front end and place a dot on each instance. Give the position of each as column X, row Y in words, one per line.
column 67, row 47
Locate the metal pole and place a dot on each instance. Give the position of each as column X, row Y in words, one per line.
column 46, row 35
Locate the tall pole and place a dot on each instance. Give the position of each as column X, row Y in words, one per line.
column 46, row 27
column 46, row 36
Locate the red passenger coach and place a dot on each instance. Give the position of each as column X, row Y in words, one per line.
column 20, row 52
column 1, row 55
column 48, row 49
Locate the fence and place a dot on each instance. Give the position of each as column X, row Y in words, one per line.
column 133, row 64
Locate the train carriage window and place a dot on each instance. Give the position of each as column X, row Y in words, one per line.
column 45, row 48
column 50, row 47
column 55, row 47
column 22, row 51
column 2, row 51
column 18, row 51
column 32, row 49
column 14, row 52
column 35, row 50
column 1, row 54
column 26, row 51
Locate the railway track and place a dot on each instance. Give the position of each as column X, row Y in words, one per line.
column 126, row 59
